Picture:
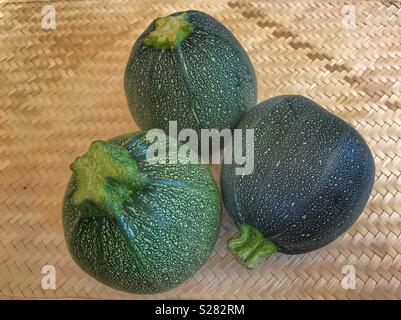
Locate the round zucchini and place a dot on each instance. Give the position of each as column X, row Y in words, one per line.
column 189, row 68
column 312, row 177
column 137, row 226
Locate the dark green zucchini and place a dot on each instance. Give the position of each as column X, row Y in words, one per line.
column 312, row 177
column 189, row 68
column 136, row 226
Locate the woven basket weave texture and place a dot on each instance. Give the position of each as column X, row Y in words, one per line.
column 60, row 89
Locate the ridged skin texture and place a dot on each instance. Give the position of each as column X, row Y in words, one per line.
column 206, row 82
column 165, row 233
column 312, row 178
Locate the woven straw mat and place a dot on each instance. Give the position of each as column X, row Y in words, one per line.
column 60, row 89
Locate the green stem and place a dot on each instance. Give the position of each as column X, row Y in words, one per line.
column 106, row 176
column 169, row 32
column 250, row 246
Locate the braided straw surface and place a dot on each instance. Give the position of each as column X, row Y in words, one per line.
column 60, row 89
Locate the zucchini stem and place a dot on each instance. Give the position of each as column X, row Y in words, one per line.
column 169, row 32
column 106, row 176
column 250, row 246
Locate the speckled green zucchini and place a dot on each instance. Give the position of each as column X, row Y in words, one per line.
column 189, row 68
column 312, row 177
column 136, row 226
